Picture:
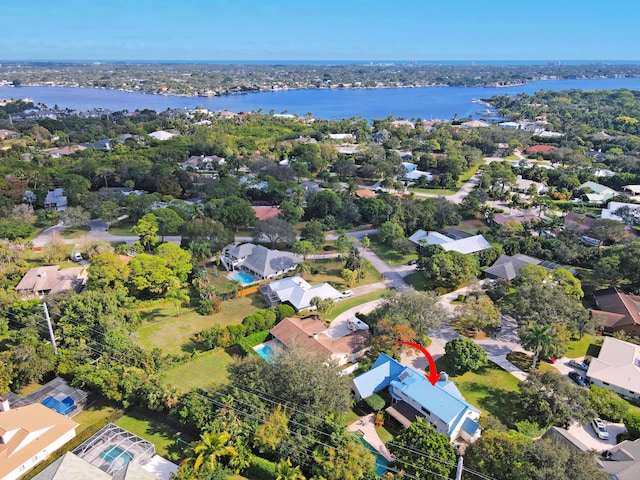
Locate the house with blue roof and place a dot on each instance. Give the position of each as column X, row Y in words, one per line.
column 413, row 396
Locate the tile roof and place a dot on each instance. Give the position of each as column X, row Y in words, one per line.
column 26, row 431
column 625, row 306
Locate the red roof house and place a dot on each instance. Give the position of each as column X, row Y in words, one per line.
column 540, row 149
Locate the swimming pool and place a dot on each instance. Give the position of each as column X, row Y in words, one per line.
column 243, row 278
column 382, row 465
column 116, row 456
column 265, row 351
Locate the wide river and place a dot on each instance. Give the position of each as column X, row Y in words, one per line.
column 427, row 103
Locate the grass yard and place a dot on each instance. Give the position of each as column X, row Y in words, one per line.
column 206, row 369
column 98, row 413
column 388, row 254
column 434, row 191
column 491, row 388
column 417, row 281
column 345, row 305
column 122, row 228
column 160, row 434
column 524, row 362
column 587, row 345
column 75, row 232
column 162, row 329
column 329, row 270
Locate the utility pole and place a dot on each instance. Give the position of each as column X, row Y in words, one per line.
column 48, row 319
column 459, row 470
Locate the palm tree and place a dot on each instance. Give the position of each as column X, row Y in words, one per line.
column 211, row 447
column 285, row 471
column 538, row 339
column 303, row 268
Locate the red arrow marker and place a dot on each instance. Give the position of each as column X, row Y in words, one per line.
column 433, row 375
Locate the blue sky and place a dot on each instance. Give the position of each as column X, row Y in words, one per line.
column 319, row 30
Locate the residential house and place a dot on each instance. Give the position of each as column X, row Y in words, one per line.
column 617, row 368
column 578, row 222
column 502, row 219
column 41, row 281
column 56, row 200
column 297, row 292
column 603, row 173
column 259, row 261
column 476, row 124
column 311, row 335
column 413, row 396
column 202, row 162
column 612, row 207
column 28, row 435
column 413, row 174
column 403, row 124
column 264, row 212
column 523, row 185
column 622, row 310
column 365, row 193
column 535, row 149
column 161, row 135
column 469, row 245
column 342, row 137
column 104, row 144
column 61, row 152
column 632, row 190
column 4, row 133
column 596, row 193
column 507, row 267
column 622, row 462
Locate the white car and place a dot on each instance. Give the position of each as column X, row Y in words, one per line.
column 600, row 429
column 347, row 293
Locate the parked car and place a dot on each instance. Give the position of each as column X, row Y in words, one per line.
column 412, row 262
column 347, row 293
column 579, row 379
column 75, row 257
column 600, row 429
column 579, row 366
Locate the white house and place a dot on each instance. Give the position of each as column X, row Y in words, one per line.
column 617, row 368
column 28, row 435
column 413, row 397
column 297, row 292
column 468, row 245
column 162, row 135
column 612, row 207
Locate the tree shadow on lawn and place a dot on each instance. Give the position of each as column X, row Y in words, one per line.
column 495, row 401
column 154, row 315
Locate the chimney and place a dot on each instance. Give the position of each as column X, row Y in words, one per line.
column 314, row 335
column 4, row 405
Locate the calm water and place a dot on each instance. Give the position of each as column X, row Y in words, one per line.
column 427, row 103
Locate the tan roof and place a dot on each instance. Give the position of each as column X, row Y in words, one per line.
column 618, row 364
column 27, row 431
column 366, row 193
column 309, row 333
column 50, row 280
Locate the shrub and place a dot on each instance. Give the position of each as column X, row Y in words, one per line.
column 608, row 404
column 632, row 422
column 284, row 311
column 261, row 469
column 376, row 402
column 13, row 229
column 247, row 343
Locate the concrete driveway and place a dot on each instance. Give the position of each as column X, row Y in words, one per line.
column 586, row 435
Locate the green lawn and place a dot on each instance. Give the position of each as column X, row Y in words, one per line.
column 345, row 305
column 388, row 254
column 75, row 232
column 206, row 369
column 162, row 329
column 584, row 346
column 524, row 362
column 329, row 270
column 162, row 436
column 98, row 413
column 418, row 281
column 123, row 228
column 491, row 388
column 434, row 191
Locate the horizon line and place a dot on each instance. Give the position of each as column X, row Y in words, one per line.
column 311, row 61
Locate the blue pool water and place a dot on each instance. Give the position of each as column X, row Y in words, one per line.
column 116, row 454
column 244, row 278
column 381, row 462
column 63, row 407
column 266, row 352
